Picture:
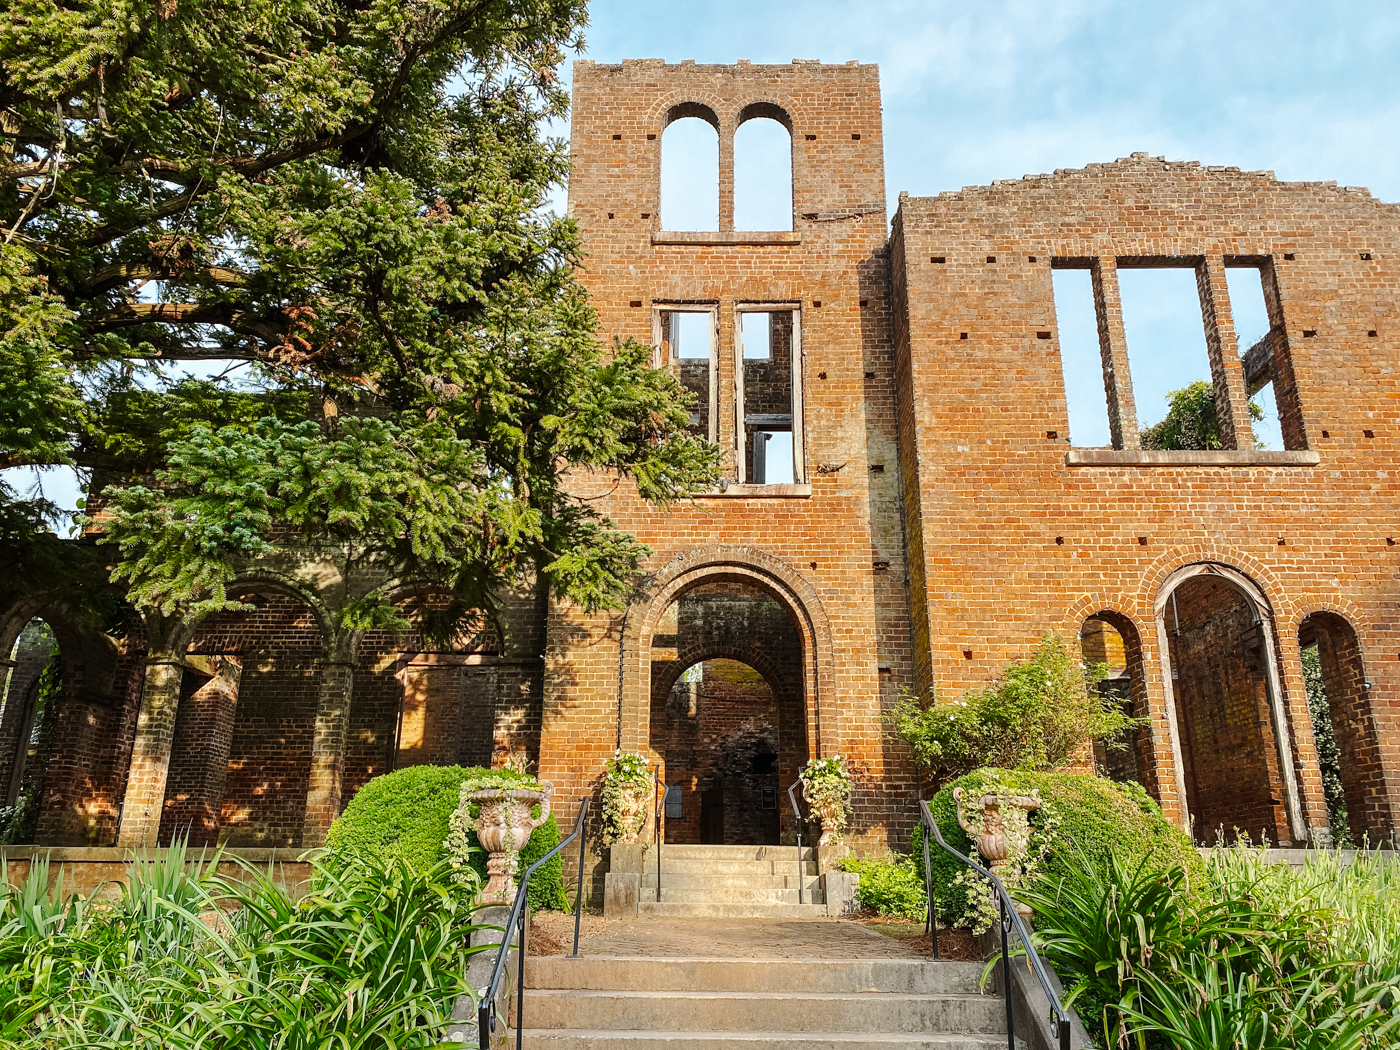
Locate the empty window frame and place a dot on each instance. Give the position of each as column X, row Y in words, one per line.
column 1080, row 358
column 768, row 364
column 1253, row 334
column 1171, row 381
column 685, row 338
column 1172, row 384
column 690, row 169
column 763, row 170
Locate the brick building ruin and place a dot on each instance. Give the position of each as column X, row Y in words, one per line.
column 903, row 507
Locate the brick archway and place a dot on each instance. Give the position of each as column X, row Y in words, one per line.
column 752, row 567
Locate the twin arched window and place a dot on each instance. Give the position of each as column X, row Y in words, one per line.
column 758, row 170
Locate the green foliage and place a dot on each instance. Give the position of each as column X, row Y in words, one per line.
column 1086, row 816
column 18, row 823
column 373, row 958
column 346, row 210
column 890, row 885
column 1329, row 756
column 1256, row 956
column 406, row 816
column 1190, row 422
column 1039, row 714
column 627, row 773
column 826, row 784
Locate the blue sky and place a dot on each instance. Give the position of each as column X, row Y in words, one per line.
column 975, row 92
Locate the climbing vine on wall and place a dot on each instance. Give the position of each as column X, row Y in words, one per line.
column 1329, row 756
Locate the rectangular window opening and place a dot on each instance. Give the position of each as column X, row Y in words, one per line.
column 687, row 347
column 1253, row 337
column 769, row 396
column 1080, row 360
column 1165, row 334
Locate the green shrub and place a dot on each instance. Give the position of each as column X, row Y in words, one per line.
column 1089, row 816
column 374, row 957
column 1038, row 715
column 404, row 815
column 890, row 885
column 1262, row 956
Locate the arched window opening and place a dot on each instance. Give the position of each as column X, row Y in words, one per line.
column 240, row 759
column 454, row 709
column 690, row 174
column 727, row 714
column 1220, row 650
column 1348, row 751
column 762, row 175
column 28, row 723
column 1111, row 641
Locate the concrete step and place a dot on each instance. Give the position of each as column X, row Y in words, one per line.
column 574, row 1039
column 687, row 880
column 625, row 973
column 708, row 910
column 764, row 1011
column 722, row 866
column 733, row 895
column 693, row 852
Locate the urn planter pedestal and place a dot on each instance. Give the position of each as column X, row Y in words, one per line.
column 504, row 821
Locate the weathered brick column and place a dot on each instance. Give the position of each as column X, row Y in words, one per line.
column 150, row 756
column 328, row 749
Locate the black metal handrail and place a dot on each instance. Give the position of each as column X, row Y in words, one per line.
column 515, row 921
column 801, row 823
column 1010, row 919
column 661, row 788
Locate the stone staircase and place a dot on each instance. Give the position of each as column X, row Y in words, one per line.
column 698, row 1003
column 732, row 882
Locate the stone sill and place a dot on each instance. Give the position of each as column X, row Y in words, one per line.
column 1131, row 457
column 734, row 237
column 759, row 492
column 123, row 854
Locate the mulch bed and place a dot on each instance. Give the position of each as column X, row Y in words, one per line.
column 959, row 945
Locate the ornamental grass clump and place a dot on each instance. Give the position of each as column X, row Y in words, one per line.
column 1256, row 956
column 373, row 957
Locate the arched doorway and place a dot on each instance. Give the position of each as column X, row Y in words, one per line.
column 727, row 714
column 1344, row 728
column 1111, row 640
column 1224, row 699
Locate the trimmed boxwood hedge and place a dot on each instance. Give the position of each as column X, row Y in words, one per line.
column 404, row 814
column 1098, row 818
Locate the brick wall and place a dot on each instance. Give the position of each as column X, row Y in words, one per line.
column 831, row 550
column 1016, row 532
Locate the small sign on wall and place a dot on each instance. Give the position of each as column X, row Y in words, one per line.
column 673, row 802
column 770, row 798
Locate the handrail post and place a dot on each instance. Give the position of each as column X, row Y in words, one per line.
column 660, row 799
column 520, row 984
column 1006, row 976
column 928, row 892
column 801, row 823
column 578, row 893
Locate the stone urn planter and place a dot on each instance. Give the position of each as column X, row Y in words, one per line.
column 1001, row 831
column 632, row 800
column 503, row 824
column 830, row 811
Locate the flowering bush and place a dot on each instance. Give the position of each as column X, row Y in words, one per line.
column 628, row 775
column 826, row 784
column 1038, row 715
